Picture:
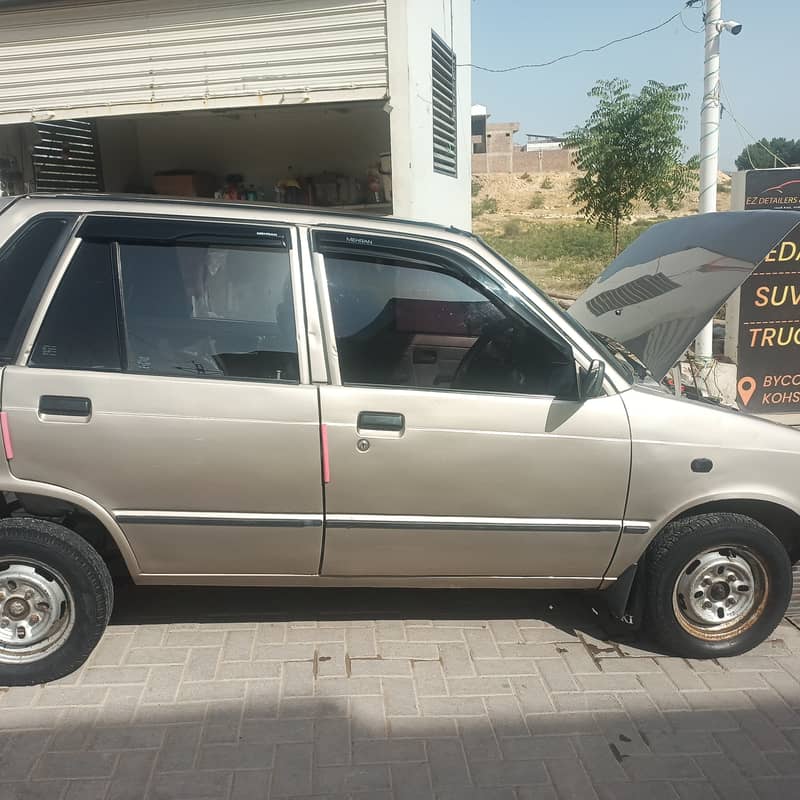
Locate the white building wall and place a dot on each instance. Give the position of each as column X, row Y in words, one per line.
column 419, row 192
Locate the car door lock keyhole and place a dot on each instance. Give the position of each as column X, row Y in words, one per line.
column 363, row 445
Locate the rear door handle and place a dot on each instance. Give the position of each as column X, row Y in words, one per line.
column 61, row 406
column 381, row 421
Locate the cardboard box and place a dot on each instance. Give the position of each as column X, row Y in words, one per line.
column 184, row 184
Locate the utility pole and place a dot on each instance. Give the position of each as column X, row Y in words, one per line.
column 709, row 141
column 709, row 134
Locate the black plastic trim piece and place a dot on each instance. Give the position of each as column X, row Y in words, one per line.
column 180, row 230
column 62, row 406
column 329, row 242
column 618, row 594
column 702, row 465
column 381, row 421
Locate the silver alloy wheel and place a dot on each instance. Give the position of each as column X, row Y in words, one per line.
column 37, row 611
column 721, row 592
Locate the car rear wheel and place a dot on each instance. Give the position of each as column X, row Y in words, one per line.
column 56, row 597
column 717, row 585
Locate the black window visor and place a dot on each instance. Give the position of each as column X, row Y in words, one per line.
column 181, row 231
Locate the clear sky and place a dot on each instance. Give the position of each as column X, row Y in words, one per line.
column 759, row 69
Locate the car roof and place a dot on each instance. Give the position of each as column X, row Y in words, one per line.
column 231, row 209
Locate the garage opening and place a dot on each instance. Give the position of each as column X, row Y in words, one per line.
column 321, row 155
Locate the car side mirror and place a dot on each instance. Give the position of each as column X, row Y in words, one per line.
column 591, row 380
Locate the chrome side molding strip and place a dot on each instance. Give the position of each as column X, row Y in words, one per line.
column 219, row 518
column 636, row 527
column 533, row 525
column 386, row 522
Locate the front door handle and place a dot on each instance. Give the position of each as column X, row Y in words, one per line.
column 62, row 406
column 381, row 421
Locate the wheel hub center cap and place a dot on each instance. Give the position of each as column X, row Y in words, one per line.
column 17, row 608
column 36, row 611
column 719, row 591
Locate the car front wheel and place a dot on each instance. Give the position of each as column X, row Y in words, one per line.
column 717, row 585
column 56, row 597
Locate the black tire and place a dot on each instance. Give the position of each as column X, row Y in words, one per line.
column 61, row 556
column 681, row 552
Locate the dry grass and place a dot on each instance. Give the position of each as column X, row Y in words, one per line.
column 532, row 222
column 515, row 196
column 562, row 257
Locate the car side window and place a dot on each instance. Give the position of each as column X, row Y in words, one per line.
column 80, row 328
column 409, row 323
column 171, row 297
column 21, row 262
column 209, row 311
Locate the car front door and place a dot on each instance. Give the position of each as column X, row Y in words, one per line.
column 168, row 382
column 482, row 463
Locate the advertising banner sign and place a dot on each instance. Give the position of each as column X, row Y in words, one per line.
column 777, row 189
column 769, row 314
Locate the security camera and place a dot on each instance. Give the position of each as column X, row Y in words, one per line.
column 731, row 26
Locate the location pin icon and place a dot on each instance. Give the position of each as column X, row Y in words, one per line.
column 747, row 388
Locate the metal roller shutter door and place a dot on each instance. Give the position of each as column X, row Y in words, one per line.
column 60, row 61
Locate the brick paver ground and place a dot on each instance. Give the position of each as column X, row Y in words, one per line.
column 500, row 695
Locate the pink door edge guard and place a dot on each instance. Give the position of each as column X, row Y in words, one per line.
column 6, row 434
column 326, row 464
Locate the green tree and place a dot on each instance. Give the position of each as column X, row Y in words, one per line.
column 630, row 151
column 766, row 154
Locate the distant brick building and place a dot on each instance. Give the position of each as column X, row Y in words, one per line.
column 494, row 150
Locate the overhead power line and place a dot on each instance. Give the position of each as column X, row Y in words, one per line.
column 741, row 128
column 687, row 26
column 678, row 15
column 726, row 108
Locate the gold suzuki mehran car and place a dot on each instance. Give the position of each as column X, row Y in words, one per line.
column 220, row 394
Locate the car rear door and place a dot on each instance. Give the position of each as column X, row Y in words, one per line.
column 168, row 382
column 471, row 468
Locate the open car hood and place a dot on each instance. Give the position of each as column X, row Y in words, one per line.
column 657, row 296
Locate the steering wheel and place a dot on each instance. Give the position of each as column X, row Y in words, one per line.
column 492, row 336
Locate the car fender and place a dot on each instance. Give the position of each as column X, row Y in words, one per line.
column 10, row 484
